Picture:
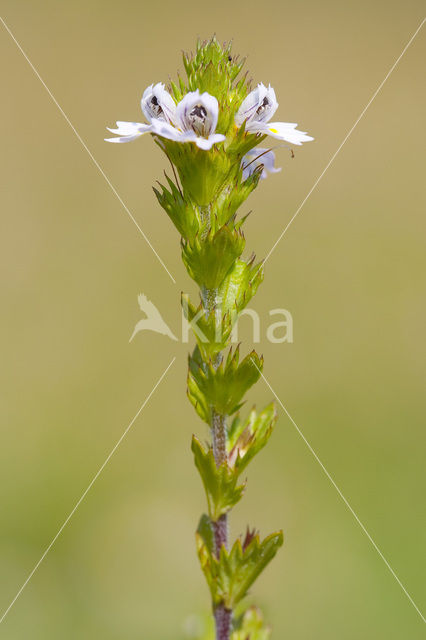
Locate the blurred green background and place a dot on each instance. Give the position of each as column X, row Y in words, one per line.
column 351, row 269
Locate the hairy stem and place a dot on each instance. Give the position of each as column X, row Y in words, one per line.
column 222, row 615
column 219, row 437
column 223, row 618
column 220, row 527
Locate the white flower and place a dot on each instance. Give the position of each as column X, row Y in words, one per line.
column 158, row 103
column 198, row 113
column 193, row 119
column 256, row 111
column 256, row 157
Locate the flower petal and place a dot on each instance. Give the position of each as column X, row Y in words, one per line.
column 166, row 130
column 259, row 106
column 123, row 138
column 256, row 157
column 128, row 131
column 207, row 143
column 158, row 103
column 282, row 131
column 130, row 128
column 197, row 112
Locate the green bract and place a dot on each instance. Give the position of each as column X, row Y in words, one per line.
column 212, row 68
column 220, row 482
column 221, row 388
column 209, row 259
column 245, row 439
column 231, row 574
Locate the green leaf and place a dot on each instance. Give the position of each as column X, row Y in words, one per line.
column 244, row 142
column 232, row 574
column 239, row 287
column 246, row 439
column 208, row 259
column 205, row 530
column 212, row 68
column 251, row 626
column 184, row 215
column 231, row 198
column 202, row 173
column 221, row 387
column 212, row 329
column 197, row 398
column 205, row 551
column 220, row 483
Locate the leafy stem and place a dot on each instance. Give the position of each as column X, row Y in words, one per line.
column 209, row 128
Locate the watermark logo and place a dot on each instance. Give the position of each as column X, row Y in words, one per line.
column 153, row 321
column 277, row 332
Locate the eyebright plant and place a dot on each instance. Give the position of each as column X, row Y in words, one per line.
column 210, row 127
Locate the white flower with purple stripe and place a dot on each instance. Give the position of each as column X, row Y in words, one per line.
column 257, row 157
column 193, row 119
column 256, row 111
column 197, row 113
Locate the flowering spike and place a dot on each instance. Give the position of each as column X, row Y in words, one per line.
column 210, row 127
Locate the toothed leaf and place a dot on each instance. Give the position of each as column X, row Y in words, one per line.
column 184, row 216
column 209, row 259
column 232, row 574
column 210, row 340
column 205, row 530
column 246, row 439
column 239, row 287
column 220, row 483
column 222, row 387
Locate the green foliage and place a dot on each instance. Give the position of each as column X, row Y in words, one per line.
column 183, row 214
column 239, row 286
column 202, row 173
column 213, row 323
column 211, row 52
column 224, row 386
column 251, row 626
column 206, row 173
column 246, row 439
column 193, row 221
column 211, row 329
column 232, row 197
column 208, row 259
column 212, row 68
column 220, row 483
column 231, row 575
column 241, row 141
column 205, row 530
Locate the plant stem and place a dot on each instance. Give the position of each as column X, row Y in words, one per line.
column 220, row 527
column 219, row 437
column 222, row 615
